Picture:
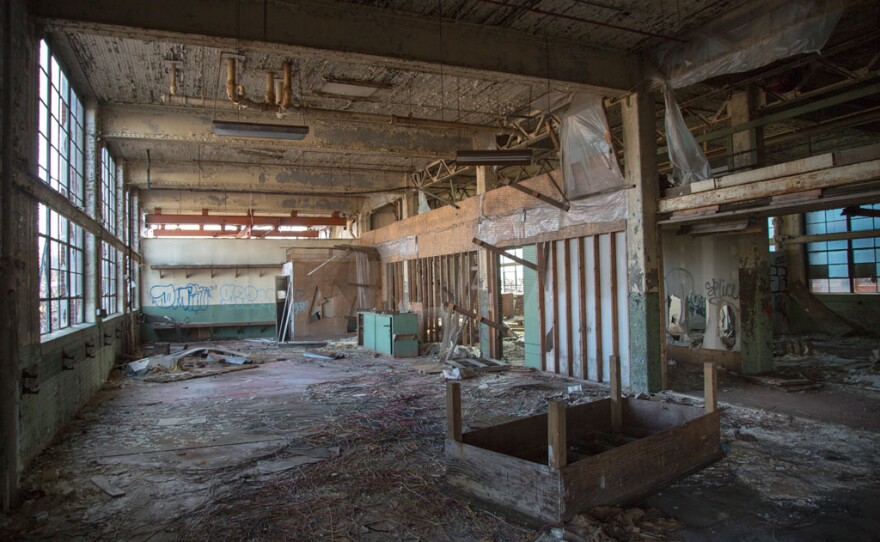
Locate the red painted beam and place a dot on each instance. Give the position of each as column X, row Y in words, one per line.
column 232, row 234
column 239, row 220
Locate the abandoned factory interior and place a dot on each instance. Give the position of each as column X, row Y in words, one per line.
column 442, row 270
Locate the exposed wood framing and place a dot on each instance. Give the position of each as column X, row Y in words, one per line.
column 506, row 254
column 557, row 442
column 710, row 387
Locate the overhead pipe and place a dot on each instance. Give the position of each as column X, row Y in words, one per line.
column 235, row 92
column 285, row 86
column 270, row 87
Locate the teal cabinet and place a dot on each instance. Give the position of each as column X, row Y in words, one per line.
column 390, row 333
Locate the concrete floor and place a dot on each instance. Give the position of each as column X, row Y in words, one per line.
column 298, row 448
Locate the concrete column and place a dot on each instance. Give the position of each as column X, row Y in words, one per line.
column 489, row 282
column 747, row 146
column 756, row 302
column 795, row 254
column 643, row 256
column 92, row 278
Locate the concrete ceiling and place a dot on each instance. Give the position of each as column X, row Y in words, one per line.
column 465, row 65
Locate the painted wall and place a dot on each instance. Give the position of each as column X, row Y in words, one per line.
column 211, row 296
column 703, row 272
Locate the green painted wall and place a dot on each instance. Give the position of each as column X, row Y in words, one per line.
column 531, row 310
column 254, row 312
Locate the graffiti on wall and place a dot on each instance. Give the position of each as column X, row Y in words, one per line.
column 718, row 289
column 195, row 297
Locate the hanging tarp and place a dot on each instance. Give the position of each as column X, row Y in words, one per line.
column 689, row 163
column 589, row 163
column 761, row 34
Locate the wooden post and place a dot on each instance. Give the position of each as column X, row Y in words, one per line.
column 710, row 386
column 616, row 401
column 557, row 443
column 453, row 411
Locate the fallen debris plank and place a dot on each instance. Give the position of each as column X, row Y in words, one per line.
column 183, row 421
column 175, row 377
column 323, row 355
column 107, row 487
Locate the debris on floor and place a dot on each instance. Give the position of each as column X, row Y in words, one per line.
column 323, row 355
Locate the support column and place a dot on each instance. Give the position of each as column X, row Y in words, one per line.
column 747, row 146
column 489, row 298
column 486, row 177
column 756, row 304
column 92, row 253
column 646, row 328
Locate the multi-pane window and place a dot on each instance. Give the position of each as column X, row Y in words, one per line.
column 60, row 144
column 60, row 245
column 108, row 191
column 109, row 278
column 61, row 130
column 847, row 265
column 511, row 273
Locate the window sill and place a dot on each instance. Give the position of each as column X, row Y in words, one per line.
column 61, row 333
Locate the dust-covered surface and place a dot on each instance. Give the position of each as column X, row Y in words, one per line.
column 351, row 449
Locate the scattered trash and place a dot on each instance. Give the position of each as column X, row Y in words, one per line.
column 577, row 388
column 171, row 362
column 429, row 368
column 107, row 487
column 323, row 355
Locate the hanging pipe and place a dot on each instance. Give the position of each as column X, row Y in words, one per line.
column 285, row 87
column 172, row 88
column 270, row 87
column 236, row 93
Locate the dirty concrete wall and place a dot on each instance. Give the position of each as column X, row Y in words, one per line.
column 703, row 273
column 220, row 295
column 44, row 380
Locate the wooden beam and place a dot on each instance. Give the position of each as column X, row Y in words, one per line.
column 597, row 314
column 582, row 306
column 861, row 211
column 502, row 252
column 821, row 237
column 563, row 205
column 473, row 315
column 835, row 176
column 453, row 411
column 710, row 386
column 616, row 401
column 554, row 270
column 542, row 266
column 557, row 441
column 569, row 332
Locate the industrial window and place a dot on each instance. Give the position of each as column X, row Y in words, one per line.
column 109, row 278
column 60, row 246
column 109, row 197
column 511, row 273
column 61, row 130
column 845, row 265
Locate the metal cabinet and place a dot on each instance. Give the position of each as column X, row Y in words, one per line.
column 391, row 333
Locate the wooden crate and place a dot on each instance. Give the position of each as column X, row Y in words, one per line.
column 550, row 467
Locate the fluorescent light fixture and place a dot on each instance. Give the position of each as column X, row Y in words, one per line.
column 522, row 157
column 350, row 88
column 254, row 129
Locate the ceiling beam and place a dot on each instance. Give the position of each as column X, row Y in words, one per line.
column 259, row 177
column 353, row 32
column 156, row 123
column 153, row 219
column 185, row 201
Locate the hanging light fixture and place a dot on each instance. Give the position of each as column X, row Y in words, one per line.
column 518, row 157
column 256, row 129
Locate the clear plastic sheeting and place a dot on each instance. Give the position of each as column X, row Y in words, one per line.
column 689, row 164
column 525, row 224
column 364, row 276
column 404, row 248
column 755, row 37
column 453, row 324
column 589, row 163
column 423, row 203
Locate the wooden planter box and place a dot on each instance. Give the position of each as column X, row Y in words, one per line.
column 550, row 467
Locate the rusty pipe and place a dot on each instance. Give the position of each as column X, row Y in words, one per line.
column 270, row 87
column 285, row 86
column 230, row 80
column 172, row 88
column 235, row 92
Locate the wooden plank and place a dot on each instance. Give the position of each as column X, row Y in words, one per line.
column 730, row 360
column 569, row 333
column 825, row 178
column 806, row 195
column 661, row 287
column 710, row 387
column 630, row 472
column 453, row 411
column 520, row 486
column 473, row 315
column 582, row 306
column 615, row 337
column 616, row 406
column 554, row 270
column 597, row 314
column 502, row 252
column 563, row 205
column 557, row 442
column 542, row 267
column 804, row 165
